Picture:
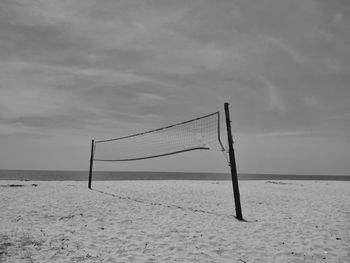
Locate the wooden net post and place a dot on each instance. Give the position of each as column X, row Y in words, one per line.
column 233, row 165
column 91, row 162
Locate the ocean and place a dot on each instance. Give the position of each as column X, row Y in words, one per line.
column 43, row 175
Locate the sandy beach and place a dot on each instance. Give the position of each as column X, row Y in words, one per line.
column 174, row 221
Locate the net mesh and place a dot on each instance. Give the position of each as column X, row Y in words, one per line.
column 198, row 134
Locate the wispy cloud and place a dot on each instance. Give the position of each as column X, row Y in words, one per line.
column 275, row 99
column 286, row 48
column 295, row 133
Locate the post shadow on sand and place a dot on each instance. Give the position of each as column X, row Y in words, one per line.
column 170, row 206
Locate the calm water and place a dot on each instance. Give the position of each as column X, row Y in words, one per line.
column 42, row 175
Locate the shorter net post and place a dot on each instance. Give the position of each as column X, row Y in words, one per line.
column 91, row 163
column 233, row 165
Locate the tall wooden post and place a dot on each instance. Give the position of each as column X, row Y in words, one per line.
column 91, row 162
column 233, row 165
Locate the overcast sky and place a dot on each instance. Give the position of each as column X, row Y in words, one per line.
column 73, row 70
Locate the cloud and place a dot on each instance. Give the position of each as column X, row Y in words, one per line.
column 276, row 101
column 283, row 46
column 13, row 129
column 93, row 61
column 291, row 134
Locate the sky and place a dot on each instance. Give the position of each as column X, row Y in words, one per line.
column 74, row 70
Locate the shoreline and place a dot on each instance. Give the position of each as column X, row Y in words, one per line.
column 42, row 175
